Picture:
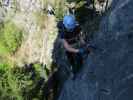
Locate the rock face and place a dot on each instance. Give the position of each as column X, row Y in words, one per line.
column 112, row 63
column 39, row 28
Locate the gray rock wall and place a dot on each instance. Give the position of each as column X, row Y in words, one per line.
column 112, row 64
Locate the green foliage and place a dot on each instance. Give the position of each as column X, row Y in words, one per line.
column 3, row 67
column 3, row 49
column 10, row 38
column 60, row 9
column 41, row 70
column 9, row 87
column 20, row 83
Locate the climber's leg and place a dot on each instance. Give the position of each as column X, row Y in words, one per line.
column 71, row 59
column 78, row 63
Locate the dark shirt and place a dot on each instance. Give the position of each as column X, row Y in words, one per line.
column 70, row 36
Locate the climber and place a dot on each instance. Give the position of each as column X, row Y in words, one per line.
column 71, row 38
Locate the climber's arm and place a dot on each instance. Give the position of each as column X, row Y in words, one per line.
column 68, row 47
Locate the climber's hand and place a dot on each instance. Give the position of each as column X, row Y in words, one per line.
column 83, row 51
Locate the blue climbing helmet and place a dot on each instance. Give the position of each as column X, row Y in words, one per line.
column 69, row 22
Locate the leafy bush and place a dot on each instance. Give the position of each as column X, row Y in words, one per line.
column 3, row 67
column 9, row 87
column 24, row 83
column 11, row 37
column 60, row 9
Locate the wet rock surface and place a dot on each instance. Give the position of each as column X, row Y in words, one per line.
column 108, row 72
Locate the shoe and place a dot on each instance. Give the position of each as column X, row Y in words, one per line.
column 71, row 75
column 74, row 77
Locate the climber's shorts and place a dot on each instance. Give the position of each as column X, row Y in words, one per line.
column 75, row 61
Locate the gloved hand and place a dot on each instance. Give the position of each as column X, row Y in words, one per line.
column 82, row 51
column 85, row 49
